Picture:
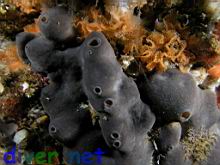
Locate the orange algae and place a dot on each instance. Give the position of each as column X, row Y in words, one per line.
column 27, row 6
column 163, row 47
column 10, row 106
column 215, row 71
column 117, row 26
column 153, row 49
column 10, row 58
column 32, row 28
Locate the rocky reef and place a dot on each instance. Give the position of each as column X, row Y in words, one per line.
column 165, row 119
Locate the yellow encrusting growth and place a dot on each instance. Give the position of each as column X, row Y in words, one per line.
column 198, row 144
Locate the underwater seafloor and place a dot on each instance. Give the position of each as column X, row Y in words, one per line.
column 121, row 82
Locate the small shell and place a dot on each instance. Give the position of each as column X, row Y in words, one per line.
column 20, row 136
column 1, row 88
column 126, row 61
column 25, row 86
column 42, row 119
column 199, row 74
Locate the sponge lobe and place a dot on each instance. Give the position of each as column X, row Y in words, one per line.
column 124, row 118
column 55, row 24
column 172, row 95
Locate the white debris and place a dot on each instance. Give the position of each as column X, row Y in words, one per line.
column 25, row 86
column 199, row 74
column 20, row 136
column 1, row 88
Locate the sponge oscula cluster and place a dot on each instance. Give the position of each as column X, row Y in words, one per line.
column 172, row 103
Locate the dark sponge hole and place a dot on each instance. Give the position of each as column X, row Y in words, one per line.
column 94, row 42
column 117, row 144
column 44, row 19
column 115, row 135
column 53, row 129
column 108, row 102
column 27, row 47
column 97, row 90
column 185, row 115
